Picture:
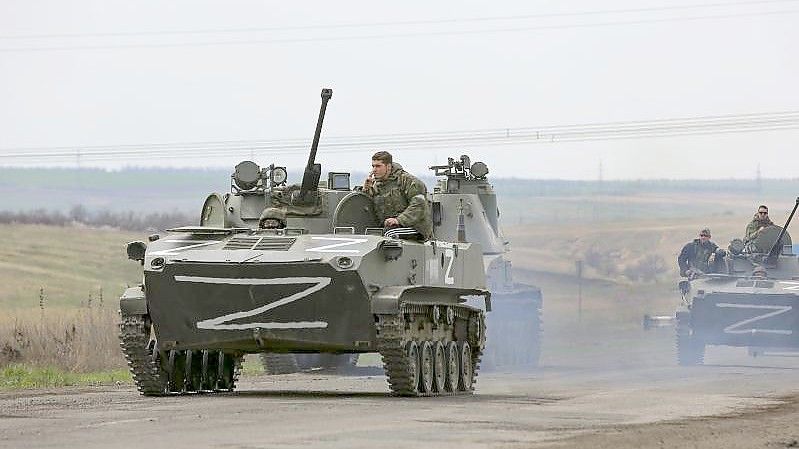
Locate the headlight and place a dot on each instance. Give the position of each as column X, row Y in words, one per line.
column 344, row 262
column 279, row 176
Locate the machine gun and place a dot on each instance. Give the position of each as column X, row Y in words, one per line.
column 461, row 168
column 313, row 170
column 777, row 248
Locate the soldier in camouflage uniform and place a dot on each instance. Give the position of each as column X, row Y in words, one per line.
column 695, row 257
column 759, row 221
column 400, row 199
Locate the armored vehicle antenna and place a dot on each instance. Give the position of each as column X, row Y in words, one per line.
column 777, row 248
column 313, row 170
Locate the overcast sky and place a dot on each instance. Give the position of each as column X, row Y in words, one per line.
column 109, row 73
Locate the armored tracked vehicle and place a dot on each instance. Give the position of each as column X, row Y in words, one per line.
column 327, row 281
column 514, row 323
column 752, row 302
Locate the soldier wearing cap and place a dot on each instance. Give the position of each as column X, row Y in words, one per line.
column 700, row 255
column 272, row 218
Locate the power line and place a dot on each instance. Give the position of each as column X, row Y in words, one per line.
column 395, row 23
column 729, row 119
column 705, row 125
column 395, row 35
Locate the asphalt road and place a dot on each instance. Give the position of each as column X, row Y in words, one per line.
column 622, row 391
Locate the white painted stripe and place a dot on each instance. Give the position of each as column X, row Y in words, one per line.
column 735, row 328
column 296, row 325
column 170, row 251
column 790, row 285
column 336, row 247
column 223, row 322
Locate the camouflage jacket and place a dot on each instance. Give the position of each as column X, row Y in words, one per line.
column 754, row 226
column 695, row 256
column 404, row 196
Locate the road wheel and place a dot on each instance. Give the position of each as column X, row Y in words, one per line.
column 466, row 369
column 439, row 367
column 426, row 367
column 452, row 367
column 412, row 356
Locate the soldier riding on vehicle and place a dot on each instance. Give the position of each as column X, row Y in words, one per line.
column 755, row 228
column 272, row 218
column 400, row 199
column 700, row 256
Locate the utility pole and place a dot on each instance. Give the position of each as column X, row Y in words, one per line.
column 595, row 208
column 579, row 268
column 758, row 180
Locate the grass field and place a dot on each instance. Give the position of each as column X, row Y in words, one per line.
column 70, row 264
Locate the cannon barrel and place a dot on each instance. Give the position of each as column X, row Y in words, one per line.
column 313, row 171
column 777, row 248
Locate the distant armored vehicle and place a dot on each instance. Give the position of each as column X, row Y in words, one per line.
column 514, row 323
column 326, row 281
column 752, row 303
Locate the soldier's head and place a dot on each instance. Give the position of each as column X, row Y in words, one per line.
column 762, row 212
column 381, row 164
column 704, row 235
column 272, row 218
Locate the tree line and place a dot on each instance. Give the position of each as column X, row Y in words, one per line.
column 79, row 214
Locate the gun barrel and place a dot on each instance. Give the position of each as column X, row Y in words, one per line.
column 310, row 179
column 777, row 248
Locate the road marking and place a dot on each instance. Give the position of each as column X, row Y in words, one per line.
column 775, row 310
column 223, row 322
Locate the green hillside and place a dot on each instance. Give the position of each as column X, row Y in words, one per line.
column 69, row 263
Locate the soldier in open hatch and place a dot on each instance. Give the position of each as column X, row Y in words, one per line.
column 700, row 255
column 758, row 223
column 400, row 199
column 272, row 218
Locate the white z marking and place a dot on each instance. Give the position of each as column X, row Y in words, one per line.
column 790, row 285
column 448, row 278
column 223, row 322
column 170, row 251
column 775, row 310
column 333, row 247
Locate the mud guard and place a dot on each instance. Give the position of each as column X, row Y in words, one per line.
column 133, row 302
column 387, row 299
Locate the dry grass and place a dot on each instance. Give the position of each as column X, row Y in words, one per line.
column 72, row 340
column 70, row 263
column 619, row 252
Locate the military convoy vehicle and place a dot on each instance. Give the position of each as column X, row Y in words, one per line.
column 753, row 302
column 514, row 324
column 328, row 282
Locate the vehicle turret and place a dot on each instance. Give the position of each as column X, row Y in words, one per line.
column 464, row 208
